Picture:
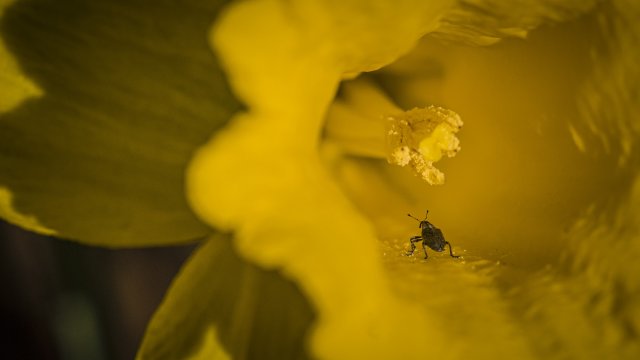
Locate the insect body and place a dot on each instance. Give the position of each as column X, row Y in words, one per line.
column 431, row 237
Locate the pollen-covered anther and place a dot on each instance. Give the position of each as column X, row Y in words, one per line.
column 420, row 137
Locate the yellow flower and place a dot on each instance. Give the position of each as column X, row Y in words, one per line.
column 542, row 201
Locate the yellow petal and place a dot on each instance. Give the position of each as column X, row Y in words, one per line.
column 12, row 215
column 100, row 156
column 15, row 87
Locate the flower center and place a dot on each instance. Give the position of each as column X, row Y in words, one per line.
column 366, row 123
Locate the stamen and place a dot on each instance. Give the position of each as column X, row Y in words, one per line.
column 364, row 122
column 420, row 137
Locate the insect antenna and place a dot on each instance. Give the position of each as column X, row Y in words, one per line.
column 418, row 220
column 425, row 216
column 413, row 217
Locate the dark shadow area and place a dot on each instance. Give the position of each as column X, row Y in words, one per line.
column 68, row 301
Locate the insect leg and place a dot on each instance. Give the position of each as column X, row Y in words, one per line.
column 413, row 246
column 424, row 247
column 451, row 251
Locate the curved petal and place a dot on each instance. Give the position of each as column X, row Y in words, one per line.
column 221, row 306
column 130, row 89
column 485, row 22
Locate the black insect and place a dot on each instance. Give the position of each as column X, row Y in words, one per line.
column 431, row 237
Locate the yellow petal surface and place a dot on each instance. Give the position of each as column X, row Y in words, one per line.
column 285, row 60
